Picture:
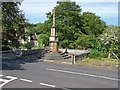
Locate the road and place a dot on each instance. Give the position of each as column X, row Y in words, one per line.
column 32, row 74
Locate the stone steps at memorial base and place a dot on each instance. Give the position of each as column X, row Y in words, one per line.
column 56, row 56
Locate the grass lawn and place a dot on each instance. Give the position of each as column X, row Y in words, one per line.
column 103, row 62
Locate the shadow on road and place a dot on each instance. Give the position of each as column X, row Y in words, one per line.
column 16, row 63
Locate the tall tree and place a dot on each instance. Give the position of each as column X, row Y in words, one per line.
column 13, row 23
column 92, row 24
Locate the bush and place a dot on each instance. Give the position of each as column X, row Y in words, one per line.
column 95, row 54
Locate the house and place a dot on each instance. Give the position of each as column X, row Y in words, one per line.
column 31, row 40
column 34, row 39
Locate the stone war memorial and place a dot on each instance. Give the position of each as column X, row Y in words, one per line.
column 53, row 38
column 55, row 53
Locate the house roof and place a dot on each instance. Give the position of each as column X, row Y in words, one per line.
column 33, row 37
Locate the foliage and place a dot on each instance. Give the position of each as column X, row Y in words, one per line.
column 93, row 42
column 34, row 28
column 92, row 24
column 40, row 29
column 82, row 42
column 65, row 43
column 29, row 45
column 40, row 41
column 13, row 23
column 23, row 46
column 44, row 38
column 95, row 54
column 118, row 45
column 109, row 41
column 72, row 45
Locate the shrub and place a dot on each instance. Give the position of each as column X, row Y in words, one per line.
column 95, row 54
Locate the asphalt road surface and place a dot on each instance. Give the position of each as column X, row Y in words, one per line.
column 33, row 74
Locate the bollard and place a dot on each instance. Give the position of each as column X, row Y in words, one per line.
column 73, row 61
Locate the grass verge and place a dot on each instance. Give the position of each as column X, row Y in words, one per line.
column 103, row 62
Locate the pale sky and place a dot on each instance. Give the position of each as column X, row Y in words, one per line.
column 35, row 10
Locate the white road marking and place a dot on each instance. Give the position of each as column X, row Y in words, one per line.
column 90, row 75
column 11, row 77
column 7, row 81
column 3, row 80
column 26, row 80
column 1, row 75
column 49, row 85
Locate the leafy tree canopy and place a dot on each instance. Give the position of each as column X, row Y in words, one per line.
column 13, row 23
column 92, row 24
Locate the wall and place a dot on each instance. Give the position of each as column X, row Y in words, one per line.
column 79, row 54
column 29, row 53
column 76, row 52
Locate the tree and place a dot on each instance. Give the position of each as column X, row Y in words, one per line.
column 44, row 39
column 13, row 23
column 92, row 24
column 64, row 44
column 93, row 42
column 82, row 42
column 39, row 28
column 35, row 28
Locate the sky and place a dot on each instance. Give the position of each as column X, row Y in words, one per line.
column 35, row 10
